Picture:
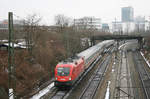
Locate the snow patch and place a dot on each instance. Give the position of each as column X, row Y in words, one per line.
column 114, row 63
column 11, row 94
column 43, row 91
column 145, row 59
column 107, row 91
column 113, row 70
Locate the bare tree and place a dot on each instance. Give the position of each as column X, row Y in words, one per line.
column 62, row 21
column 30, row 25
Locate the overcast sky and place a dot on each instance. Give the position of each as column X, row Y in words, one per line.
column 107, row 10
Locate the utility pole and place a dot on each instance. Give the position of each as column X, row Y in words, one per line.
column 11, row 66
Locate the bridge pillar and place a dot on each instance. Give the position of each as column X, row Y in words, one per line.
column 140, row 43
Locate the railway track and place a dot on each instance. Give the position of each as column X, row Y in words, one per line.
column 91, row 88
column 60, row 94
column 123, row 84
column 144, row 75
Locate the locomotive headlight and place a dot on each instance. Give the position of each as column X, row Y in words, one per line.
column 56, row 78
column 69, row 78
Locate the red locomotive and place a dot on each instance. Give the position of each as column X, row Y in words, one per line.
column 68, row 71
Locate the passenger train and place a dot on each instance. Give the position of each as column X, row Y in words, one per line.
column 68, row 71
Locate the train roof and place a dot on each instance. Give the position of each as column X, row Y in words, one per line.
column 88, row 52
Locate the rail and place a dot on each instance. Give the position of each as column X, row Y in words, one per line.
column 91, row 88
column 143, row 74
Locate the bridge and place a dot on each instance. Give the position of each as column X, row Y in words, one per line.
column 116, row 37
column 120, row 37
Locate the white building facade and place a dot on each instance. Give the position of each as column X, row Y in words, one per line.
column 88, row 22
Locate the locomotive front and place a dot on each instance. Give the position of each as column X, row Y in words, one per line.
column 63, row 75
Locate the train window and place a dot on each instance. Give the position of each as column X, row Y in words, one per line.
column 63, row 71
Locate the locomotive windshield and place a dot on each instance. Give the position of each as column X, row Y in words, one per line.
column 63, row 71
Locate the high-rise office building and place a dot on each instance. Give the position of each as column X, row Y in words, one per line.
column 127, row 14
